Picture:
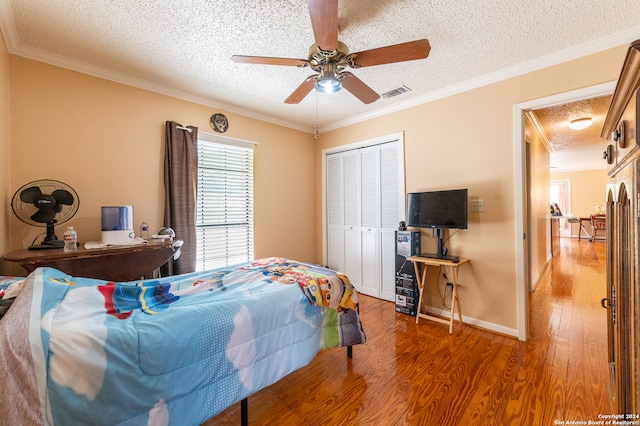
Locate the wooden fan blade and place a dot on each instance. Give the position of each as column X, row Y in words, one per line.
column 418, row 49
column 360, row 90
column 302, row 91
column 267, row 60
column 324, row 20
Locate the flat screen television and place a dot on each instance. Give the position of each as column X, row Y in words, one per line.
column 438, row 210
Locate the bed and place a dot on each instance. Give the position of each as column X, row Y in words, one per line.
column 175, row 350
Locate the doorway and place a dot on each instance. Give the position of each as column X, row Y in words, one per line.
column 560, row 198
column 526, row 245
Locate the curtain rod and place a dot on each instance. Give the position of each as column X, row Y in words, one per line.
column 184, row 128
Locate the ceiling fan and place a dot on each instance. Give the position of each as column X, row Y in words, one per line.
column 328, row 57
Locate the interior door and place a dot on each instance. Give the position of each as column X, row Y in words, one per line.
column 351, row 203
column 370, row 202
column 334, row 214
column 392, row 199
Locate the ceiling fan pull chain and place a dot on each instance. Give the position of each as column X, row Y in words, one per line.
column 316, row 130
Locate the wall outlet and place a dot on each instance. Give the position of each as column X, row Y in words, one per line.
column 477, row 205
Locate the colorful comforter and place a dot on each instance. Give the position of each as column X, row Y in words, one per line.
column 9, row 289
column 178, row 350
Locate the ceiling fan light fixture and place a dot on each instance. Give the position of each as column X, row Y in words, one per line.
column 328, row 80
column 328, row 85
column 580, row 123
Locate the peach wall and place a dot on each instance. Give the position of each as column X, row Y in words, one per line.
column 538, row 203
column 5, row 152
column 106, row 140
column 588, row 189
column 466, row 140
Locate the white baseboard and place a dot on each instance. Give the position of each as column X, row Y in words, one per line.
column 497, row 328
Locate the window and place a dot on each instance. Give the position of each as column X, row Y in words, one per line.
column 559, row 194
column 224, row 205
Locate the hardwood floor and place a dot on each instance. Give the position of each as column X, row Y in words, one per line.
column 408, row 374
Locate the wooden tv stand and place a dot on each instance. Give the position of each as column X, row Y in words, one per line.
column 420, row 264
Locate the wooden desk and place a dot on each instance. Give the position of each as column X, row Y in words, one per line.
column 451, row 269
column 113, row 263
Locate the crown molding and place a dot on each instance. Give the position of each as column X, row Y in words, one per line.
column 15, row 48
column 565, row 55
column 531, row 117
column 128, row 80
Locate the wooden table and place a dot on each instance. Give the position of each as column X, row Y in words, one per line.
column 451, row 270
column 113, row 263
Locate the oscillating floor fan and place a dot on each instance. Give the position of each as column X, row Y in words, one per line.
column 45, row 202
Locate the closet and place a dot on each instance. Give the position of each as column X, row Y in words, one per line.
column 364, row 198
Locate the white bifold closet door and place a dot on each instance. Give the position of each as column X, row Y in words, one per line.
column 365, row 203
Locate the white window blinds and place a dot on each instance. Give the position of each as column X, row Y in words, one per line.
column 224, row 206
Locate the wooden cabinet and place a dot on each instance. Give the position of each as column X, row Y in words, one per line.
column 623, row 238
column 623, row 291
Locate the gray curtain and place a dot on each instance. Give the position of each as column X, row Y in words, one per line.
column 180, row 188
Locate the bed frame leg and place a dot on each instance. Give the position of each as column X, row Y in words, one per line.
column 244, row 412
column 244, row 404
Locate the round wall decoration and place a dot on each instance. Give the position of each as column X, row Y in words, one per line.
column 219, row 123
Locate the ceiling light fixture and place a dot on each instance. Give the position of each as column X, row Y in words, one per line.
column 328, row 80
column 580, row 123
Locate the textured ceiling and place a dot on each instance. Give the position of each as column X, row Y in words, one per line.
column 183, row 47
column 575, row 149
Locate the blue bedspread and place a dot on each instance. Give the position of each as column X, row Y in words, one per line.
column 181, row 349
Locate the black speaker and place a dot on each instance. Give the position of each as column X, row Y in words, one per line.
column 407, row 245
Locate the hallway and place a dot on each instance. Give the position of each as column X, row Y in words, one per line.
column 568, row 340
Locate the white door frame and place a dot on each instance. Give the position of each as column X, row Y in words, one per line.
column 522, row 247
